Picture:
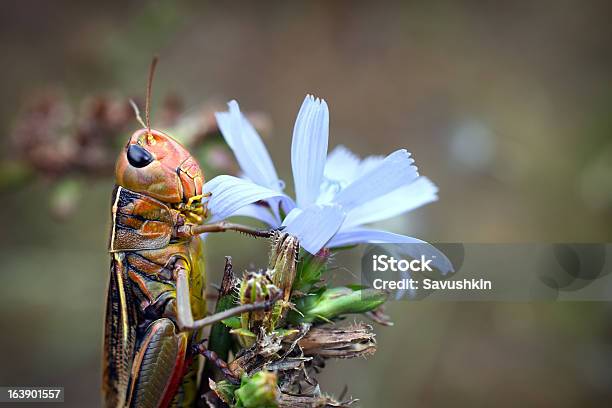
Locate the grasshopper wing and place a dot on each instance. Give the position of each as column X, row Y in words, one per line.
column 119, row 336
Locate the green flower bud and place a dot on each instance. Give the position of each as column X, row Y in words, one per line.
column 310, row 270
column 256, row 287
column 331, row 303
column 258, row 391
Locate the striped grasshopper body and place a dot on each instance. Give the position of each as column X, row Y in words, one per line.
column 146, row 360
column 155, row 304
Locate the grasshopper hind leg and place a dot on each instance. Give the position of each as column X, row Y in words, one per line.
column 159, row 365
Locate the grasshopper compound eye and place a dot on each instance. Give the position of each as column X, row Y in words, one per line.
column 138, row 156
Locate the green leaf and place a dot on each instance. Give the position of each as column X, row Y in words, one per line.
column 243, row 332
column 232, row 322
column 224, row 390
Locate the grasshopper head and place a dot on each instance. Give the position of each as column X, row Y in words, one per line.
column 155, row 164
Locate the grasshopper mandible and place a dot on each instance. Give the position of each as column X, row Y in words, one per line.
column 155, row 304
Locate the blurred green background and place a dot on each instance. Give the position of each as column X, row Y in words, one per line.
column 505, row 105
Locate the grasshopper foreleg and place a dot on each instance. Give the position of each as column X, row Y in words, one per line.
column 223, row 226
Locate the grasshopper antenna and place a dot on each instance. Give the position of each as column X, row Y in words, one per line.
column 149, row 86
column 137, row 113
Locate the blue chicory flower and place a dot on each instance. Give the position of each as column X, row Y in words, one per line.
column 336, row 194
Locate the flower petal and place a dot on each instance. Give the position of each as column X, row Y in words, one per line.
column 406, row 198
column 250, row 152
column 291, row 215
column 367, row 164
column 230, row 193
column 315, row 225
column 341, row 165
column 309, row 149
column 364, row 235
column 394, row 171
column 259, row 212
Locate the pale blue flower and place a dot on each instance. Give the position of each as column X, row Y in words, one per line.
column 336, row 194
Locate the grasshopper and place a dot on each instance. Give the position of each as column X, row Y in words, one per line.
column 156, row 306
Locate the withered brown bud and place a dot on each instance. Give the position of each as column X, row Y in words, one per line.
column 282, row 265
column 348, row 342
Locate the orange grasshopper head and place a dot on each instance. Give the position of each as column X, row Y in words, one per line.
column 155, row 164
